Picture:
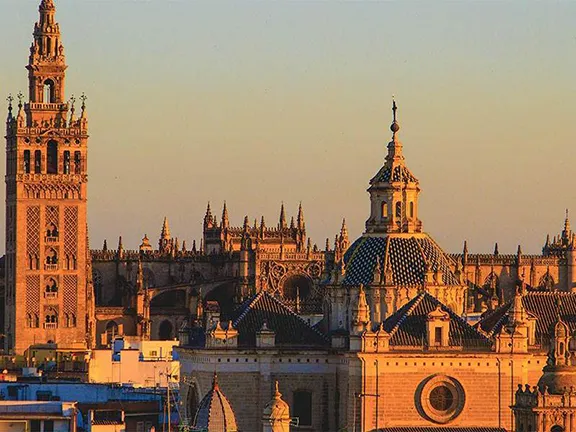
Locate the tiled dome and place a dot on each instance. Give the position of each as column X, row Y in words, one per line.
column 407, row 257
column 214, row 412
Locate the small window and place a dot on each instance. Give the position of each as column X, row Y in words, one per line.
column 77, row 162
column 48, row 91
column 43, row 395
column 52, row 160
column 384, row 211
column 37, row 162
column 561, row 349
column 27, row 161
column 411, row 209
column 35, row 426
column 48, row 425
column 66, row 162
column 438, row 336
column 303, row 407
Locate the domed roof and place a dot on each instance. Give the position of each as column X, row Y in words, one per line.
column 406, row 258
column 557, row 379
column 214, row 412
column 277, row 409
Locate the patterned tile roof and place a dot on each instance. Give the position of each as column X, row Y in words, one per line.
column 543, row 306
column 407, row 327
column 394, row 173
column 408, row 258
column 215, row 413
column 290, row 328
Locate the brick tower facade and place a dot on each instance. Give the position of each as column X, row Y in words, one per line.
column 48, row 292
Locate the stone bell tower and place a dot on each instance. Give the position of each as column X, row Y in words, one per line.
column 48, row 292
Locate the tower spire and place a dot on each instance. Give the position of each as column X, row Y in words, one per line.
column 300, row 218
column 282, row 221
column 208, row 222
column 225, row 220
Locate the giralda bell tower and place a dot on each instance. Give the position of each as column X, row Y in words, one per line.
column 48, row 285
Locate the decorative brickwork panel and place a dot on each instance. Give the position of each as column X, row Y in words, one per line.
column 33, row 294
column 70, row 231
column 52, row 216
column 70, row 294
column 33, row 231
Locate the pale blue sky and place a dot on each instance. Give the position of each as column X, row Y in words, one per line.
column 258, row 102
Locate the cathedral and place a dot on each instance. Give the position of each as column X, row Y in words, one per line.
column 387, row 332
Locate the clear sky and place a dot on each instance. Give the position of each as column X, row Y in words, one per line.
column 259, row 102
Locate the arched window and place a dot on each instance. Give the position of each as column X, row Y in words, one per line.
column 165, row 331
column 303, row 407
column 48, row 91
column 52, row 160
column 384, row 210
column 398, row 210
column 411, row 209
column 52, row 231
column 557, row 428
column 51, row 257
column 27, row 161
column 561, row 349
column 29, row 321
column 37, row 162
column 51, row 319
column 77, row 162
column 51, row 288
column 66, row 162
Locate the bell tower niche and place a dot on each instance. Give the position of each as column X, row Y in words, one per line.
column 48, row 292
column 394, row 192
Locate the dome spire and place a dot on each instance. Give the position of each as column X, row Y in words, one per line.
column 394, row 191
column 394, row 127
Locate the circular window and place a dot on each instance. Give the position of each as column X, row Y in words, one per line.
column 440, row 398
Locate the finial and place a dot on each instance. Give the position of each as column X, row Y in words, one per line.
column 20, row 97
column 83, row 98
column 496, row 249
column 10, row 99
column 394, row 127
column 215, row 382
column 277, row 393
column 105, row 245
column 72, row 102
column 519, row 252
